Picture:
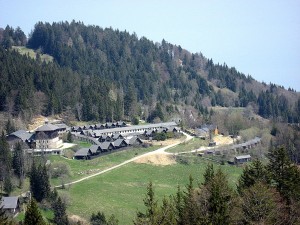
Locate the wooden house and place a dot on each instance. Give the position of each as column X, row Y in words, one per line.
column 242, row 159
column 83, row 153
column 11, row 205
column 120, row 143
column 106, row 146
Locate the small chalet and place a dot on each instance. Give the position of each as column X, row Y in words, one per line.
column 105, row 138
column 76, row 129
column 120, row 143
column 83, row 153
column 242, row 159
column 106, row 146
column 94, row 149
column 117, row 136
column 133, row 141
column 121, row 124
column 11, row 205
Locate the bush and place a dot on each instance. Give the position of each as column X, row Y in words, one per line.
column 59, row 169
column 160, row 136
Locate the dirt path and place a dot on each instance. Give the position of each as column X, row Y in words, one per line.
column 158, row 151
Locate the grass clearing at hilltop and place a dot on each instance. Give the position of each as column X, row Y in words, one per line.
column 122, row 190
column 32, row 54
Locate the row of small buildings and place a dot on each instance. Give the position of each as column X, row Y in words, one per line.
column 111, row 139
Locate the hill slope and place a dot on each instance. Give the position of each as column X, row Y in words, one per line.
column 105, row 74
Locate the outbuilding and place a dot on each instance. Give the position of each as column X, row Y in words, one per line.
column 242, row 159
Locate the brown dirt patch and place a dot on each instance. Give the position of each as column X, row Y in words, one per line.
column 164, row 143
column 157, row 159
column 76, row 219
column 222, row 140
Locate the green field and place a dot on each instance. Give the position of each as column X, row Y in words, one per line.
column 26, row 51
column 82, row 168
column 193, row 144
column 122, row 190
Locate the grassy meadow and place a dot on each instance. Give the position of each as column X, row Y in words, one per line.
column 82, row 168
column 122, row 190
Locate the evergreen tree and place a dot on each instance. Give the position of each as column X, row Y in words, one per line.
column 219, row 200
column 179, row 207
column 19, row 162
column 208, row 174
column 69, row 137
column 151, row 215
column 252, row 174
column 33, row 215
column 190, row 216
column 60, row 216
column 9, row 127
column 39, row 182
column 7, row 186
column 98, row 219
column 285, row 175
column 258, row 204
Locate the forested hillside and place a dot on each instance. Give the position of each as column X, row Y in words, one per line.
column 105, row 74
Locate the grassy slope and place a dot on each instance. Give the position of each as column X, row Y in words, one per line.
column 82, row 168
column 24, row 51
column 121, row 191
column 195, row 143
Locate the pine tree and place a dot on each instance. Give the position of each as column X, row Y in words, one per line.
column 151, row 215
column 33, row 215
column 18, row 162
column 39, row 182
column 219, row 200
column 8, row 186
column 190, row 207
column 178, row 201
column 258, row 204
column 285, row 174
column 208, row 174
column 60, row 216
column 98, row 219
column 252, row 174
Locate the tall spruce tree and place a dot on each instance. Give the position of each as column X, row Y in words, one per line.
column 151, row 215
column 39, row 182
column 252, row 174
column 33, row 215
column 284, row 174
column 19, row 162
column 60, row 216
column 219, row 200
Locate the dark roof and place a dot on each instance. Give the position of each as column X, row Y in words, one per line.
column 105, row 145
column 83, row 152
column 9, row 202
column 22, row 134
column 94, row 148
column 118, row 142
column 133, row 140
column 48, row 127
column 136, row 128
